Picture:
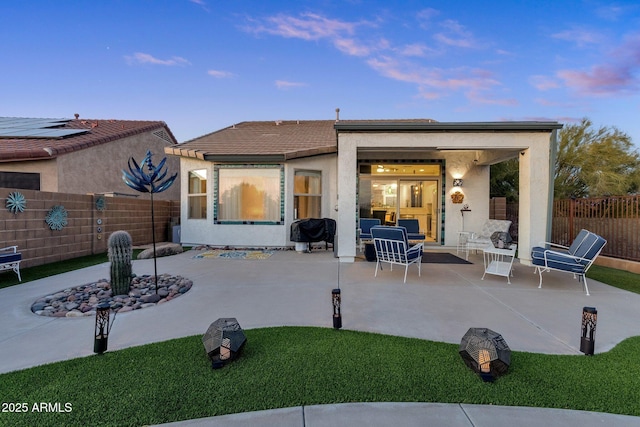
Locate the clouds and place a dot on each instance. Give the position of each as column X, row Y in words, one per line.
column 283, row 84
column 617, row 72
column 145, row 58
column 404, row 61
column 307, row 26
column 220, row 74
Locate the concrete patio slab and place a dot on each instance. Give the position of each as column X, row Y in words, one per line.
column 292, row 288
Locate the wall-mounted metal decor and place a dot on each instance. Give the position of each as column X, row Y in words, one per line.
column 101, row 203
column 57, row 217
column 16, row 202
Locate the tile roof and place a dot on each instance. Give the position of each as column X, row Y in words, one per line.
column 275, row 140
column 99, row 132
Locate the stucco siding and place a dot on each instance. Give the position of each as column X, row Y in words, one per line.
column 98, row 169
column 47, row 169
column 205, row 231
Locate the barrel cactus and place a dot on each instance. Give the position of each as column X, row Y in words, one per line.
column 120, row 252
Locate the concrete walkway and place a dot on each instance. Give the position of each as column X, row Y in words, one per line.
column 295, row 289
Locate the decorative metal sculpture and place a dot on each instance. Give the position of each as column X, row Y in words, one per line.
column 150, row 182
column 16, row 202
column 101, row 203
column 57, row 217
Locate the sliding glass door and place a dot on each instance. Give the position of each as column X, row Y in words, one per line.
column 399, row 191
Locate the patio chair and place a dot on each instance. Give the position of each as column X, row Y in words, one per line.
column 365, row 230
column 413, row 229
column 10, row 260
column 474, row 241
column 392, row 246
column 575, row 259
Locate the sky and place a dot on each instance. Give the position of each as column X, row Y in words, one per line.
column 202, row 65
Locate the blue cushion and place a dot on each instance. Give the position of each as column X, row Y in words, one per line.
column 575, row 245
column 556, row 260
column 412, row 225
column 10, row 257
column 391, row 233
column 413, row 228
column 365, row 227
column 590, row 246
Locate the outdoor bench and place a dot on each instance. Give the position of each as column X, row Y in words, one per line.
column 10, row 260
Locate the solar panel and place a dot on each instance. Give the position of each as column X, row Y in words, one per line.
column 23, row 127
column 30, row 123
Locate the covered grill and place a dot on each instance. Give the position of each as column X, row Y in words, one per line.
column 314, row 230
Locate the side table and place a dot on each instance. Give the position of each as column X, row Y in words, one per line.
column 499, row 261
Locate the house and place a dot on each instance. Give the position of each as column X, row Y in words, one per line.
column 79, row 156
column 245, row 184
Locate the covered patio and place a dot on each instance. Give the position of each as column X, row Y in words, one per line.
column 443, row 169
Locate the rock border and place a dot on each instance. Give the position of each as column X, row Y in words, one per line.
column 81, row 301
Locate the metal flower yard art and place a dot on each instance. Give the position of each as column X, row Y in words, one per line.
column 152, row 181
column 16, row 202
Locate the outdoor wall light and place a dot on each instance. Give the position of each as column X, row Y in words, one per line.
column 102, row 328
column 589, row 320
column 457, row 182
column 336, row 300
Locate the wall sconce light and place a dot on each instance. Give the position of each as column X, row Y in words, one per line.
column 457, row 182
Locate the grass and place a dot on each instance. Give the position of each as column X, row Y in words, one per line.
column 292, row 366
column 617, row 278
column 9, row 278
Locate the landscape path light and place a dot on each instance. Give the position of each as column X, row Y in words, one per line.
column 102, row 327
column 588, row 339
column 337, row 301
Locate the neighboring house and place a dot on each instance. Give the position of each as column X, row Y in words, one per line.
column 80, row 156
column 245, row 184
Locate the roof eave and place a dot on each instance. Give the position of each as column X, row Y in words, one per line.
column 245, row 158
column 447, row 126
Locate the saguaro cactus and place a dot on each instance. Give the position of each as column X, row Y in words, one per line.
column 120, row 252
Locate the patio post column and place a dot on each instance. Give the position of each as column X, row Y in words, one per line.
column 347, row 174
column 533, row 211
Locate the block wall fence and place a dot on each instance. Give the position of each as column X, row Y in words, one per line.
column 87, row 229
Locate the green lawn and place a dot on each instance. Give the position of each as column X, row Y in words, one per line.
column 618, row 278
column 291, row 366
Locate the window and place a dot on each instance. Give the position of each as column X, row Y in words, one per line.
column 307, row 194
column 198, row 194
column 249, row 194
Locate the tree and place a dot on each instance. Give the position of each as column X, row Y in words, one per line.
column 505, row 180
column 589, row 163
column 594, row 162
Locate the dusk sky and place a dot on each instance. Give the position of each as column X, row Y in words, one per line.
column 201, row 65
